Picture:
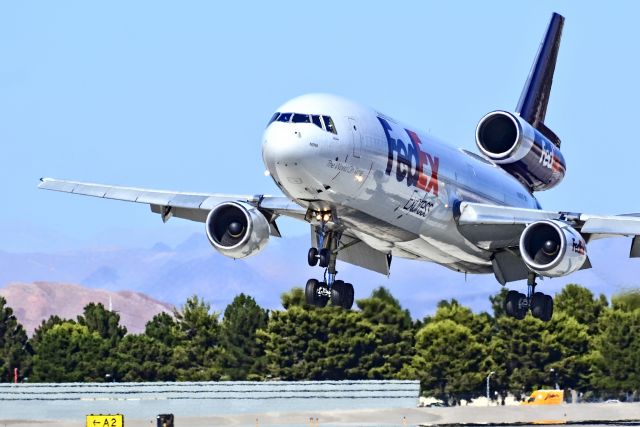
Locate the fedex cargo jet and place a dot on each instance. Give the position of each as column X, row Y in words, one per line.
column 373, row 188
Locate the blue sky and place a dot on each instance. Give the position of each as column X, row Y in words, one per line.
column 175, row 95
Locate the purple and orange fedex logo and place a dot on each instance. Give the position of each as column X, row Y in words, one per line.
column 413, row 165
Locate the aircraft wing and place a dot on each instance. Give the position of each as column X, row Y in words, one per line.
column 498, row 229
column 192, row 206
column 496, row 226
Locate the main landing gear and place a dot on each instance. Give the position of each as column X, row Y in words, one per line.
column 319, row 293
column 517, row 304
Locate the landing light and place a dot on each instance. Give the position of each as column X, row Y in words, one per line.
column 327, row 217
column 267, row 173
column 359, row 178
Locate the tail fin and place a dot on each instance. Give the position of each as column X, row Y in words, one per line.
column 532, row 106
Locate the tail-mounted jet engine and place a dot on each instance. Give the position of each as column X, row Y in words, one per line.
column 552, row 248
column 237, row 229
column 521, row 150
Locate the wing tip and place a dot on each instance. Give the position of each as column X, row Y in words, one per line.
column 44, row 181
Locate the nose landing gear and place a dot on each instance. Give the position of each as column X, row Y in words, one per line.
column 319, row 293
column 517, row 304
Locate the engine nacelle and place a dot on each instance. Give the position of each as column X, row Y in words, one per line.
column 552, row 248
column 237, row 229
column 521, row 150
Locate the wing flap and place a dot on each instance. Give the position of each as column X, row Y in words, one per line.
column 197, row 215
column 508, row 266
column 358, row 253
column 478, row 213
column 617, row 225
column 493, row 236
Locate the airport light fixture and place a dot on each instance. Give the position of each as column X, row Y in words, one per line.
column 554, row 374
column 488, row 387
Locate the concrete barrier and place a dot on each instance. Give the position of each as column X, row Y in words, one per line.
column 200, row 399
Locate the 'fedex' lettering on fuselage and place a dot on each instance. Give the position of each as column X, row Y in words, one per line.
column 412, row 164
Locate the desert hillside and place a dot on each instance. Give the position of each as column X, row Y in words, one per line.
column 33, row 302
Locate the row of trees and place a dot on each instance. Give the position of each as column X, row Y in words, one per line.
column 589, row 345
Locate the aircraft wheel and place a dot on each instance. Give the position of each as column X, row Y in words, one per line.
column 322, row 300
column 347, row 299
column 548, row 309
column 311, row 292
column 338, row 293
column 312, row 257
column 522, row 308
column 324, row 257
column 511, row 303
column 538, row 305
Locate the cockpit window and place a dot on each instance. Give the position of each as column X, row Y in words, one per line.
column 300, row 118
column 328, row 124
column 273, row 118
column 316, row 121
column 285, row 117
column 323, row 122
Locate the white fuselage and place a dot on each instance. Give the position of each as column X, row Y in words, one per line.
column 394, row 187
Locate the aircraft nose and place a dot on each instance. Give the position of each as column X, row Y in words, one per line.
column 282, row 146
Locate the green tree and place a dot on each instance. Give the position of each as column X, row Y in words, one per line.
column 69, row 352
column 497, row 302
column 295, row 297
column 569, row 358
column 143, row 358
column 240, row 353
column 448, row 361
column 44, row 326
column 196, row 353
column 518, row 355
column 163, row 328
column 15, row 351
column 304, row 342
column 106, row 323
column 480, row 324
column 580, row 303
column 627, row 301
column 617, row 361
column 529, row 354
column 392, row 331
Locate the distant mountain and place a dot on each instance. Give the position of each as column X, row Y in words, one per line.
column 34, row 302
column 192, row 267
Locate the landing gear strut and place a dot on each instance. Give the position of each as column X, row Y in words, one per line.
column 517, row 304
column 319, row 293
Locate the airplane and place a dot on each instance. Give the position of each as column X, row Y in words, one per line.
column 373, row 188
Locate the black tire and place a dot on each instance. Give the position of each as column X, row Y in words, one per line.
column 347, row 299
column 521, row 312
column 538, row 305
column 548, row 309
column 311, row 292
column 337, row 293
column 312, row 257
column 511, row 303
column 323, row 257
column 321, row 301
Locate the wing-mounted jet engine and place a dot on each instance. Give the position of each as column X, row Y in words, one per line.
column 237, row 229
column 519, row 142
column 552, row 248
